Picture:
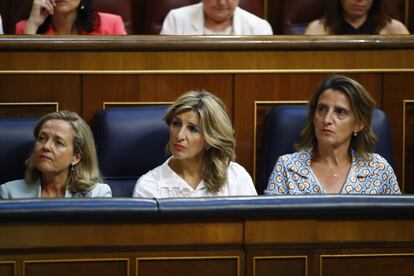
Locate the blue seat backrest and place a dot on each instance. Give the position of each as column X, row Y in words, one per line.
column 16, row 144
column 282, row 131
column 130, row 142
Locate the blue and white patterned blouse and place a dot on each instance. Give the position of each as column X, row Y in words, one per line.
column 293, row 174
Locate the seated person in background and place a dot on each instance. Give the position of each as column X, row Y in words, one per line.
column 1, row 25
column 69, row 17
column 63, row 162
column 335, row 152
column 203, row 149
column 356, row 17
column 214, row 17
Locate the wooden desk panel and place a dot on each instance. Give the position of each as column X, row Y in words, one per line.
column 240, row 70
column 215, row 247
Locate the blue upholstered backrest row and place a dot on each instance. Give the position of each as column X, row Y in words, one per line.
column 16, row 141
column 132, row 140
column 282, row 131
column 137, row 209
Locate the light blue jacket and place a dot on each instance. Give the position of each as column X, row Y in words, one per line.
column 20, row 189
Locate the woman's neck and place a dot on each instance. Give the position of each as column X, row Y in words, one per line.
column 54, row 186
column 215, row 25
column 64, row 24
column 189, row 170
column 355, row 21
column 332, row 157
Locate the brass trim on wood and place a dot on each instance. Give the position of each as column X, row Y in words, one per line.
column 237, row 258
column 76, row 260
column 358, row 255
column 56, row 104
column 105, row 104
column 154, row 43
column 281, row 257
column 209, row 71
column 12, row 263
column 405, row 102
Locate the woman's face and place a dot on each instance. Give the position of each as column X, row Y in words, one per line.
column 186, row 139
column 53, row 150
column 356, row 8
column 334, row 121
column 66, row 6
column 219, row 10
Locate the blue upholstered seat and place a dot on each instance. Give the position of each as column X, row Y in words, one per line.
column 282, row 131
column 16, row 143
column 130, row 142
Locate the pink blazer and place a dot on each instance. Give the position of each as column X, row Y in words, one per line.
column 110, row 24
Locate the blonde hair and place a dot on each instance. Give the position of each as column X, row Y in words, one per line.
column 84, row 175
column 362, row 106
column 216, row 129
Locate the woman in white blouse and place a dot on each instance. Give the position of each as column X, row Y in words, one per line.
column 202, row 145
column 214, row 17
column 1, row 25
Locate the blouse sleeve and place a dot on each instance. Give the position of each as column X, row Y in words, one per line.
column 169, row 25
column 119, row 27
column 276, row 184
column 240, row 181
column 20, row 27
column 388, row 178
column 102, row 190
column 146, row 187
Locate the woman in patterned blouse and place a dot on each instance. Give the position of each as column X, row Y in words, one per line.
column 335, row 152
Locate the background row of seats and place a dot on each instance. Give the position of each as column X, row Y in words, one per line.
column 146, row 16
column 132, row 140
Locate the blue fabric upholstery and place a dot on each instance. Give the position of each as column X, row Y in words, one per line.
column 297, row 206
column 282, row 131
column 136, row 209
column 76, row 209
column 130, row 142
column 16, row 143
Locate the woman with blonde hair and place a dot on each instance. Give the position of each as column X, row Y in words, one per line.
column 63, row 162
column 202, row 145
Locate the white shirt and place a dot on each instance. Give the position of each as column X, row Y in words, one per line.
column 1, row 26
column 189, row 20
column 163, row 182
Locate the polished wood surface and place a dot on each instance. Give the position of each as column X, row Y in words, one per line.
column 83, row 73
column 216, row 246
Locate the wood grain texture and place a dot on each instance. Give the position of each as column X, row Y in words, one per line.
column 81, row 73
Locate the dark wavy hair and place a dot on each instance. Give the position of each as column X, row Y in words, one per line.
column 334, row 14
column 362, row 106
column 87, row 20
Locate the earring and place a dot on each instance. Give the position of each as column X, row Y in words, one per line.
column 72, row 168
column 355, row 133
column 82, row 7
